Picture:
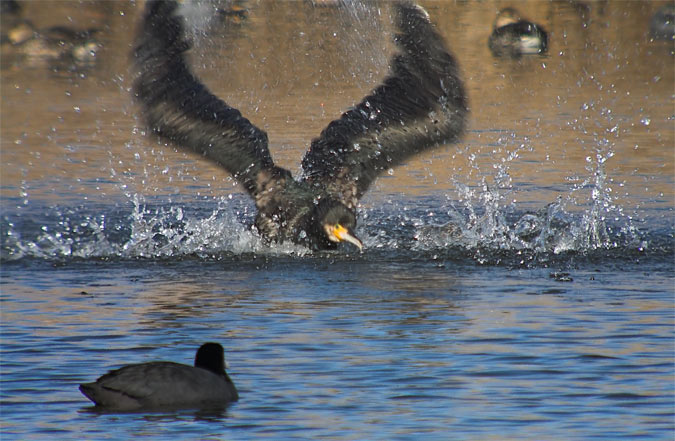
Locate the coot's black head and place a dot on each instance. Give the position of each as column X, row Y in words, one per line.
column 211, row 356
column 335, row 223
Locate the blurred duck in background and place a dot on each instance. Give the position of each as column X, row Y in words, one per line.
column 60, row 43
column 513, row 36
column 56, row 43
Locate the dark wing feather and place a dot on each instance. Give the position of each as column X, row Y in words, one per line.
column 419, row 105
column 178, row 107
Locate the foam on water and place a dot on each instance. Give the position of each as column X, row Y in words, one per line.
column 574, row 222
column 145, row 232
column 476, row 225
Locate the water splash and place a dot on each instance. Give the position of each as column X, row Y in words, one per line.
column 582, row 221
column 146, row 232
column 483, row 223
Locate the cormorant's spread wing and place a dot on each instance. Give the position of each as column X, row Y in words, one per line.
column 178, row 107
column 419, row 105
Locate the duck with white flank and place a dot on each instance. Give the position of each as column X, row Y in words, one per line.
column 513, row 36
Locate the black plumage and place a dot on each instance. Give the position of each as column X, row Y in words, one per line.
column 165, row 384
column 419, row 105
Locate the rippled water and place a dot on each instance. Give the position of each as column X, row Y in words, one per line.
column 516, row 286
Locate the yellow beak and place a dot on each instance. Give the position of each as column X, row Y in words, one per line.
column 344, row 235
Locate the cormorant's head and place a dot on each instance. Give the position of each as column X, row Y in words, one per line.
column 337, row 222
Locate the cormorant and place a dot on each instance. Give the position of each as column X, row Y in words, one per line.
column 514, row 37
column 419, row 105
column 161, row 384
